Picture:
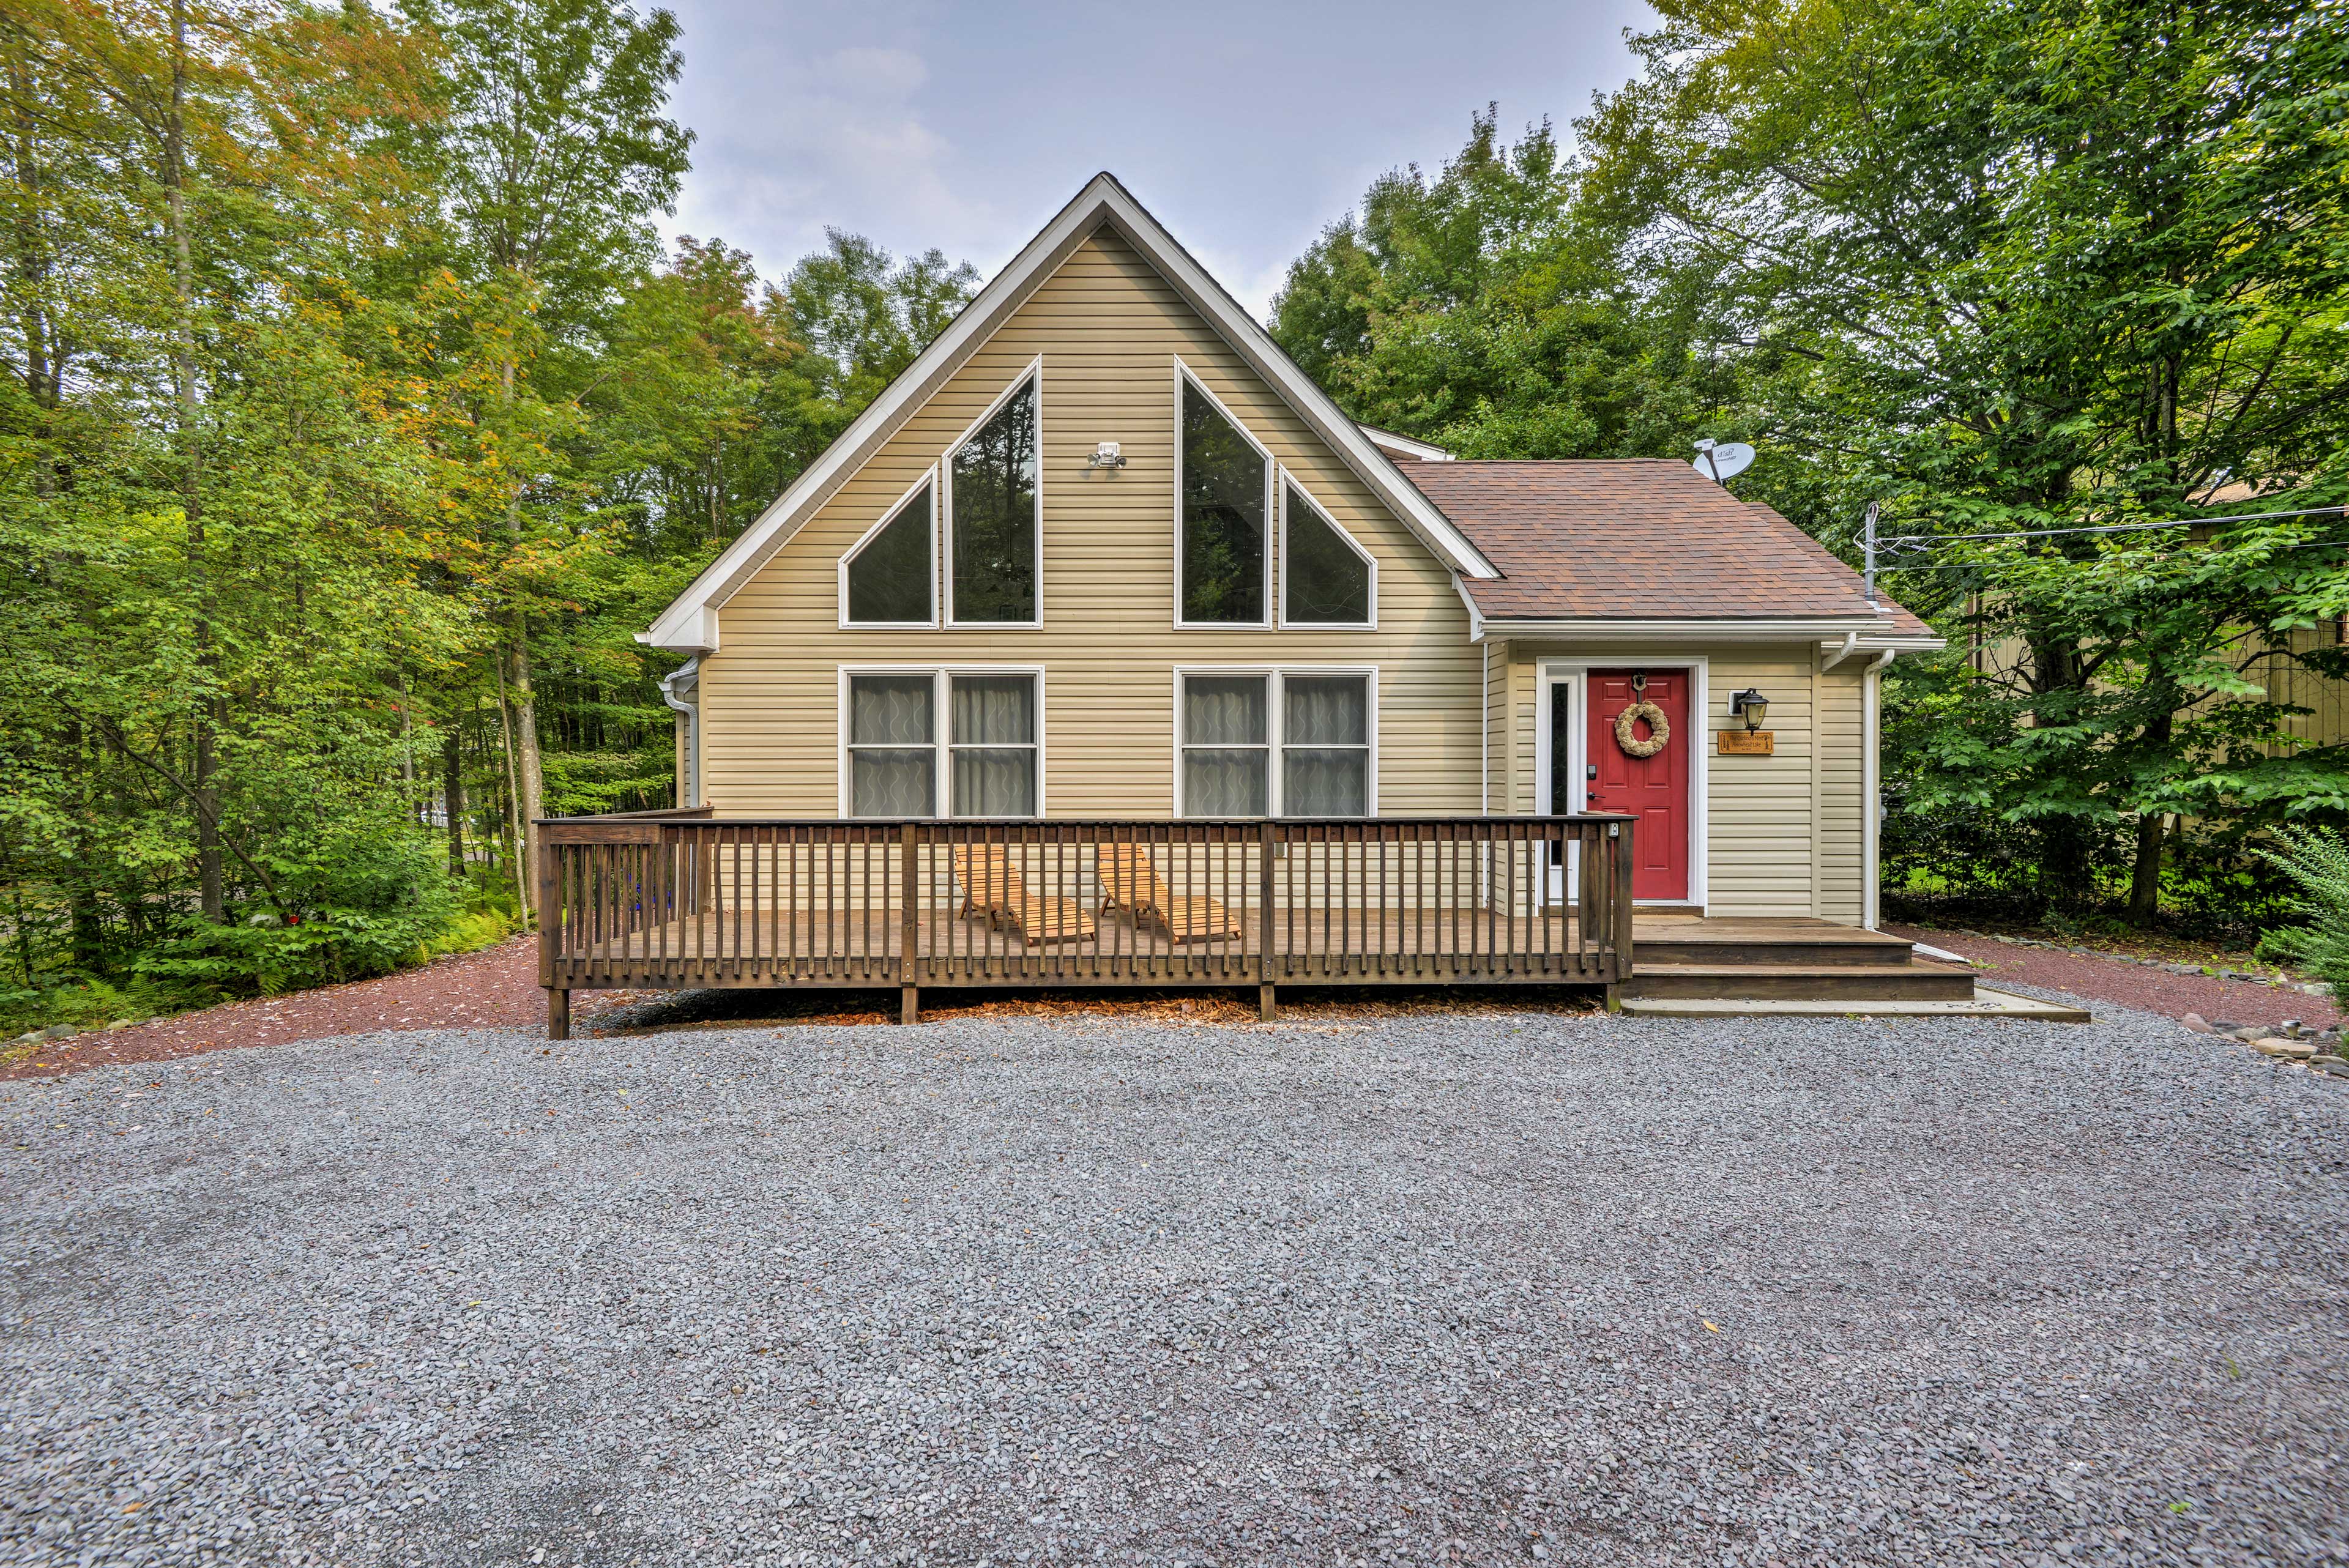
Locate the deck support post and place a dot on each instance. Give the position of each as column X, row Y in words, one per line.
column 1614, row 998
column 558, row 1013
column 1267, row 1006
column 909, row 899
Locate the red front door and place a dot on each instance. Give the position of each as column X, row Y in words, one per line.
column 1655, row 789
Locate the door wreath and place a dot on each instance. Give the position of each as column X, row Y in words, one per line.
column 1659, row 729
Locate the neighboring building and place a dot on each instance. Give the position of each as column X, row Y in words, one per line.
column 1103, row 550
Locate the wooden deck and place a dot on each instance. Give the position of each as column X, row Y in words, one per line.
column 681, row 899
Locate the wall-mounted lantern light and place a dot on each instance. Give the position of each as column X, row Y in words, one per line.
column 1751, row 707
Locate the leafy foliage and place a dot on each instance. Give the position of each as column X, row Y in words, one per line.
column 2003, row 268
column 2317, row 862
column 352, row 423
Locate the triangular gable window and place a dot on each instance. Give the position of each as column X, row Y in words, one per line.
column 1326, row 579
column 889, row 577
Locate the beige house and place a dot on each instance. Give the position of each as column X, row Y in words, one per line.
column 1104, row 552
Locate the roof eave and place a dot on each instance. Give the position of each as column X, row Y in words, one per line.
column 1869, row 630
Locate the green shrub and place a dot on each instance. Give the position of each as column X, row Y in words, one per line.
column 2317, row 862
column 359, row 899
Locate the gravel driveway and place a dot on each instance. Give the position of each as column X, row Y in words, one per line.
column 1476, row 1289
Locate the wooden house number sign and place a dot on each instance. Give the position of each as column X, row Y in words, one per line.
column 1747, row 743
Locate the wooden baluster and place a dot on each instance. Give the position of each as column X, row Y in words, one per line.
column 1623, row 865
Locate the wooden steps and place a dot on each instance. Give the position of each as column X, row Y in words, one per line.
column 1784, row 961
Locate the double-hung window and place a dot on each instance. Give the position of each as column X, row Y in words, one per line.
column 971, row 738
column 1280, row 743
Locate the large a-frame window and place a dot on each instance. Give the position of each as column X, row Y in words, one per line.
column 995, row 511
column 1223, row 486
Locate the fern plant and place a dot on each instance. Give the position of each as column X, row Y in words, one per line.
column 2318, row 863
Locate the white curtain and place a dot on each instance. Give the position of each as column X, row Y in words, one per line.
column 1224, row 710
column 1326, row 710
column 1224, row 783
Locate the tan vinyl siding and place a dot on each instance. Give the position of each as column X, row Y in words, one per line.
column 1842, row 785
column 1109, row 329
column 1761, row 809
column 1493, row 790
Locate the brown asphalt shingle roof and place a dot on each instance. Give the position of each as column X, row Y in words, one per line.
column 1639, row 539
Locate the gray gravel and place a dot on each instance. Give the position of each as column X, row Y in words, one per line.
column 1466, row 1288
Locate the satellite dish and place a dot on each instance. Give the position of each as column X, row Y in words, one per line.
column 1723, row 460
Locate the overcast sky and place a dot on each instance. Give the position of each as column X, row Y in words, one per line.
column 1245, row 125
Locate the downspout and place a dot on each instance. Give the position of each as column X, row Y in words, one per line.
column 1851, row 642
column 1484, row 729
column 1872, row 785
column 688, row 788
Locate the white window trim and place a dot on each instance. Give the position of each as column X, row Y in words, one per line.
column 942, row 741
column 929, row 480
column 1575, row 674
column 1275, row 724
column 1034, row 370
column 1283, row 478
column 1183, row 373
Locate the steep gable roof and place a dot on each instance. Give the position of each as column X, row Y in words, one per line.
column 1643, row 539
column 690, row 624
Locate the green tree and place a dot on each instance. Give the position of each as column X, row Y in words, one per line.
column 1491, row 309
column 205, row 496
column 2032, row 267
column 549, row 158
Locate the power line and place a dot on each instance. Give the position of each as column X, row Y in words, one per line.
column 1919, row 539
column 1873, row 547
column 1984, row 566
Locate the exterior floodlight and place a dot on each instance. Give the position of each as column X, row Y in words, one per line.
column 1107, row 456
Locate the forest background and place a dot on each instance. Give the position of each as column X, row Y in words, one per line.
column 355, row 417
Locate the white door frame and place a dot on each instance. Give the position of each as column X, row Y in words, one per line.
column 1574, row 675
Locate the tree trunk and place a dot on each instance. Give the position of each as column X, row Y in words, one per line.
column 2065, row 871
column 453, row 790
column 208, row 711
column 520, row 837
column 2144, row 876
column 523, row 729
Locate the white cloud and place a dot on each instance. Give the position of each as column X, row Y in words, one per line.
column 1246, row 126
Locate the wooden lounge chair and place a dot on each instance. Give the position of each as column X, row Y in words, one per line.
column 993, row 889
column 1130, row 881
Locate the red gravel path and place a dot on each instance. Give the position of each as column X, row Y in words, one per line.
column 496, row 988
column 2127, row 984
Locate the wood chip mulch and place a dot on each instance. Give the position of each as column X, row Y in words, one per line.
column 2122, row 984
column 494, row 988
column 497, row 988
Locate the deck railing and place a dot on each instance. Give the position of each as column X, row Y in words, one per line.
column 682, row 899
